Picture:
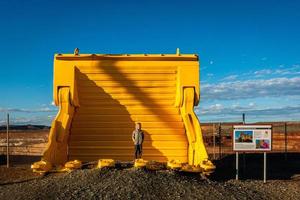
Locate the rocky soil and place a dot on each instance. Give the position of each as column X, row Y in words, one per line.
column 130, row 183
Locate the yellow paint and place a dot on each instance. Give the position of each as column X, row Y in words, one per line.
column 101, row 97
column 74, row 164
column 140, row 163
column 106, row 163
column 41, row 166
column 191, row 168
column 174, row 164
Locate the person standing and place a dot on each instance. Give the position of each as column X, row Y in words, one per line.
column 138, row 139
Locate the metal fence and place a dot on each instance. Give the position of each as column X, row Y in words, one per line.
column 217, row 138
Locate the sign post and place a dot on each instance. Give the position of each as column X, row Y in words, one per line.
column 252, row 138
column 237, row 165
column 265, row 167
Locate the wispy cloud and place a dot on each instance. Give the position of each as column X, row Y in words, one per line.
column 276, row 72
column 21, row 120
column 274, row 87
column 218, row 112
column 250, row 109
column 293, row 70
column 262, row 89
column 230, row 78
column 263, row 72
column 24, row 110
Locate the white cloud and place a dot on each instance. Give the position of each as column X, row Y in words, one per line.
column 247, row 89
column 281, row 84
column 281, row 71
column 230, row 78
column 253, row 113
column 263, row 72
column 251, row 104
column 24, row 110
column 216, row 106
column 24, row 120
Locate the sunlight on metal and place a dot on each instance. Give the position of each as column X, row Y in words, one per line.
column 102, row 96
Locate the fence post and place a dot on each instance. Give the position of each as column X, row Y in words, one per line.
column 7, row 141
column 220, row 141
column 285, row 140
column 244, row 154
column 214, row 141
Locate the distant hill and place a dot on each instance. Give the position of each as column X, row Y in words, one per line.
column 25, row 127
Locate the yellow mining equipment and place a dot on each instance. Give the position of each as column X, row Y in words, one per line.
column 102, row 96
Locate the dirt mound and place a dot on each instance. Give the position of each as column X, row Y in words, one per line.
column 140, row 184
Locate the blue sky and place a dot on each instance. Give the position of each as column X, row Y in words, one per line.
column 249, row 50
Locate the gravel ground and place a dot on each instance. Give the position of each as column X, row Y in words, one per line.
column 130, row 183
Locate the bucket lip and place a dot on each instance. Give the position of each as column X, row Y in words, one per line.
column 142, row 57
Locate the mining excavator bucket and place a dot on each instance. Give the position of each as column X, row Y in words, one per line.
column 102, row 96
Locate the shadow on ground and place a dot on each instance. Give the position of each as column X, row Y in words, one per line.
column 279, row 166
column 19, row 159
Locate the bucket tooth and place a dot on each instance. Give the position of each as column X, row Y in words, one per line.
column 140, row 163
column 191, row 168
column 41, row 166
column 154, row 165
column 72, row 165
column 110, row 163
column 174, row 164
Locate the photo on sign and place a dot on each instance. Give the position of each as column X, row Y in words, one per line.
column 244, row 136
column 262, row 144
column 252, row 138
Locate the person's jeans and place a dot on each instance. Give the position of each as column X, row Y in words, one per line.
column 138, row 151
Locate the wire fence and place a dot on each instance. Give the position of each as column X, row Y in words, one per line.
column 217, row 138
column 24, row 142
